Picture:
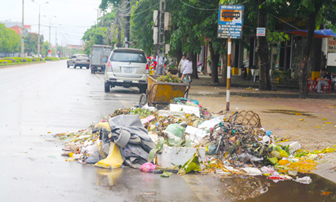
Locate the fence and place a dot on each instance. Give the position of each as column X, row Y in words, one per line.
column 2, row 55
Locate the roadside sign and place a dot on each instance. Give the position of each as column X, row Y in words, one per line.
column 230, row 21
column 261, row 31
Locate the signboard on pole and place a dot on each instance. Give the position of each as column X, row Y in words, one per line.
column 49, row 52
column 230, row 21
column 261, row 31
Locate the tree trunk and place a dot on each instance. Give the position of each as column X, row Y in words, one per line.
column 263, row 60
column 214, row 66
column 193, row 58
column 178, row 55
column 303, row 83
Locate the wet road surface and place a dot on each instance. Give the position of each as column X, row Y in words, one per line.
column 43, row 99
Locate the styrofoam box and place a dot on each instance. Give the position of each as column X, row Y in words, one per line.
column 171, row 156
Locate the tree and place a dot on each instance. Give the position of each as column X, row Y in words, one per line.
column 10, row 41
column 44, row 48
column 141, row 25
column 94, row 36
column 31, row 41
column 317, row 12
column 263, row 58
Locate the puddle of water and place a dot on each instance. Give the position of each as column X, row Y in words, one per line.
column 250, row 189
column 263, row 190
column 289, row 112
column 108, row 178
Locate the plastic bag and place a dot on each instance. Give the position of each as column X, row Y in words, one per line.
column 175, row 129
column 147, row 167
column 304, row 180
column 92, row 154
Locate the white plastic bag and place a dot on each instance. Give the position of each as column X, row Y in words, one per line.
column 92, row 154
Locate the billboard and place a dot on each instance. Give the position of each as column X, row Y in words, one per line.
column 230, row 21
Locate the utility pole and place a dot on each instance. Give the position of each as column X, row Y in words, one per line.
column 97, row 17
column 50, row 29
column 127, row 23
column 103, row 18
column 55, row 41
column 109, row 35
column 39, row 36
column 22, row 33
column 161, row 31
column 119, row 27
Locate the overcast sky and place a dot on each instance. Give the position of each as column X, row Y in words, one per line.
column 73, row 17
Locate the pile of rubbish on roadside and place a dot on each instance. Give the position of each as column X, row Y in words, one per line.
column 185, row 138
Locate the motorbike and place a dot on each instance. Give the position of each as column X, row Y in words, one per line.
column 200, row 68
column 244, row 69
column 243, row 72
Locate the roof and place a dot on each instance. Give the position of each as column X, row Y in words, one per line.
column 322, row 33
column 17, row 29
column 98, row 45
column 27, row 26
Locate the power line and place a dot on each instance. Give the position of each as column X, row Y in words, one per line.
column 206, row 9
column 283, row 21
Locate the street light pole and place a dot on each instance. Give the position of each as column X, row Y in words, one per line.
column 22, row 33
column 39, row 36
column 97, row 16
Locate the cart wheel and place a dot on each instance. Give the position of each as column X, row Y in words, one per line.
column 143, row 99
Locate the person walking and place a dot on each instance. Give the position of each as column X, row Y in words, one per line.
column 187, row 69
column 180, row 70
column 160, row 63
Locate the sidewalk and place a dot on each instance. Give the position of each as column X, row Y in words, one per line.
column 246, row 88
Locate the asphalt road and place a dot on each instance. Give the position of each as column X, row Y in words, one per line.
column 40, row 100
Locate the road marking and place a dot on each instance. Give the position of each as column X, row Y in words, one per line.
column 125, row 104
column 201, row 190
column 99, row 77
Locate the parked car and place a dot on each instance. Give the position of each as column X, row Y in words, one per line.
column 80, row 60
column 126, row 67
column 100, row 54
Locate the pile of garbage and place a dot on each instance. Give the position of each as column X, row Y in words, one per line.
column 184, row 137
column 169, row 78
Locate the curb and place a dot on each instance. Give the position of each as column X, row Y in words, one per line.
column 268, row 95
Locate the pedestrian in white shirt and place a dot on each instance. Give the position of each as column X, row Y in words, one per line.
column 160, row 66
column 187, row 69
column 180, row 70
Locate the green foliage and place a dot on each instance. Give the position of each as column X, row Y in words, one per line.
column 44, row 48
column 31, row 41
column 141, row 25
column 17, row 60
column 10, row 41
column 275, row 37
column 6, row 61
column 108, row 3
column 51, row 58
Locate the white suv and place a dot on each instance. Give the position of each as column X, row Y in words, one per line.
column 126, row 67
